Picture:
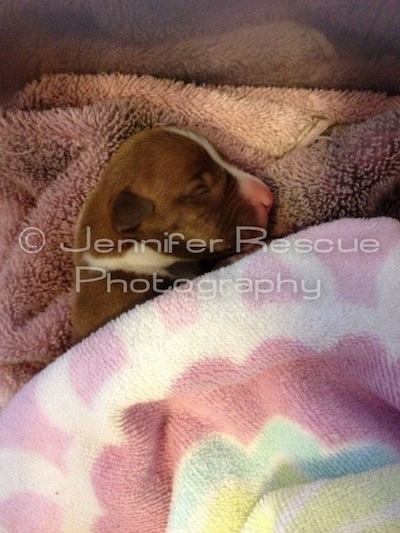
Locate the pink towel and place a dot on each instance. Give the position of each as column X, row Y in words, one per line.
column 326, row 154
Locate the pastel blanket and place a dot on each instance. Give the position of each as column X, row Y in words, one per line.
column 326, row 154
column 263, row 397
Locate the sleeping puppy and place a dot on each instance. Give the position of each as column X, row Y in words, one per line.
column 165, row 204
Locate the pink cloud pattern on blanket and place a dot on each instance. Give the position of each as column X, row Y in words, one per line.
column 83, row 371
column 354, row 253
column 160, row 426
column 44, row 514
column 50, row 441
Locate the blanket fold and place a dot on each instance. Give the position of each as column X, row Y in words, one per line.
column 326, row 155
column 262, row 397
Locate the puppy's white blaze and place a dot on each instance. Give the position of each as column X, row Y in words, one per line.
column 145, row 260
column 209, row 148
column 252, row 189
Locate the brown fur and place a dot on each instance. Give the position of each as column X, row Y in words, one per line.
column 157, row 183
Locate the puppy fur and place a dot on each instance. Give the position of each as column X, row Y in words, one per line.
column 159, row 182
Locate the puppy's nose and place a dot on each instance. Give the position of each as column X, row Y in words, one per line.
column 258, row 195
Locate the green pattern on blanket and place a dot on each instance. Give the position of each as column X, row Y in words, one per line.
column 224, row 485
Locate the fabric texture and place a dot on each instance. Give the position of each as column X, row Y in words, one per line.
column 326, row 155
column 263, row 397
column 313, row 44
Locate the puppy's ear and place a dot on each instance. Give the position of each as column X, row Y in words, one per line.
column 130, row 210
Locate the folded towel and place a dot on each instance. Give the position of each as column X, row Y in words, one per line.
column 262, row 397
column 246, row 44
column 326, row 154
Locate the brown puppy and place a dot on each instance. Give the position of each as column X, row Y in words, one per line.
column 165, row 201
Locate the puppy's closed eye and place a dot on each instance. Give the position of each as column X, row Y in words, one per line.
column 200, row 185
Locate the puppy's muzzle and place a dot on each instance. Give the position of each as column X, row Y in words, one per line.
column 258, row 195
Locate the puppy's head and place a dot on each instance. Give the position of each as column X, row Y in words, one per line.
column 166, row 181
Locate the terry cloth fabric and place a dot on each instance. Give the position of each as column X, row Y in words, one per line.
column 326, row 155
column 262, row 397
